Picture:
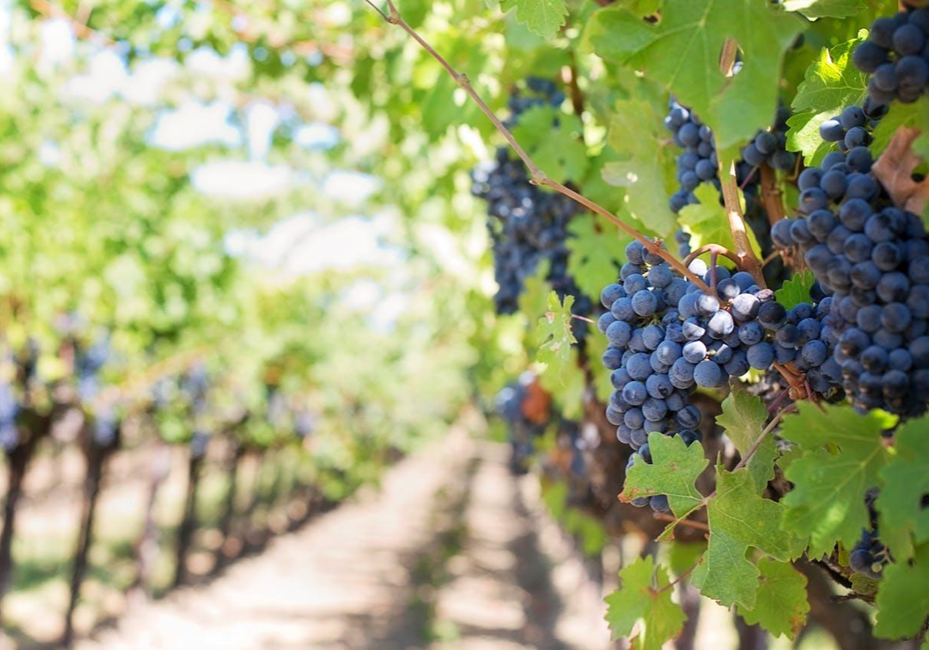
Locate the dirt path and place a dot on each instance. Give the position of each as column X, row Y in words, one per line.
column 446, row 555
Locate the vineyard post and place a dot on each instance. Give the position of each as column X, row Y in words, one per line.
column 96, row 456
column 18, row 463
column 147, row 547
column 188, row 520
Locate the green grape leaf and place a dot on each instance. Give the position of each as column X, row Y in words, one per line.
column 595, row 255
column 673, row 471
column 781, row 606
column 862, row 584
column 902, row 599
column 681, row 52
column 635, row 127
column 596, row 346
column 707, row 222
column 743, row 418
column 534, row 298
column 683, row 556
column 642, row 8
column 824, row 8
column 643, row 596
column 901, row 115
column 843, row 453
column 830, row 84
column 739, row 519
column 542, row 17
column 599, row 191
column 569, row 382
column 796, row 289
column 555, row 497
column 555, row 331
column 906, row 483
column 557, row 150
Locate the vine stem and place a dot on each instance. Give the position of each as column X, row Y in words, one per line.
column 730, row 189
column 688, row 523
column 771, row 195
column 712, row 248
column 678, row 579
column 764, row 434
column 538, row 176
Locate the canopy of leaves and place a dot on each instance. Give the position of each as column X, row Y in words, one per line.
column 681, row 52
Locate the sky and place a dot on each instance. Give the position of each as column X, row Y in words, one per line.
column 302, row 243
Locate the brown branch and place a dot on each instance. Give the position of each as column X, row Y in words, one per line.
column 747, row 259
column 689, row 523
column 569, row 75
column 678, row 579
column 764, row 434
column 538, row 176
column 712, row 248
column 771, row 195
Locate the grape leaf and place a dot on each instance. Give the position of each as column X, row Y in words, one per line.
column 595, row 255
column 862, row 584
column 830, row 84
column 903, row 600
column 906, row 484
column 781, row 606
column 673, row 471
column 642, row 8
column 534, row 297
column 569, row 383
column 707, row 222
column 635, row 127
column 824, row 8
column 557, row 150
column 556, row 333
column 683, row 556
column 739, row 519
column 842, row 456
column 900, row 115
column 796, row 289
column 681, row 52
column 743, row 418
column 596, row 346
column 642, row 596
column 542, row 17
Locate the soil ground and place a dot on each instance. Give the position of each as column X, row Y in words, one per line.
column 452, row 551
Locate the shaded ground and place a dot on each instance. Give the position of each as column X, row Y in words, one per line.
column 453, row 552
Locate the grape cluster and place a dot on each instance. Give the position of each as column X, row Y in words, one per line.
column 521, row 430
column 105, row 427
column 682, row 239
column 304, row 422
column 526, row 224
column 852, row 127
column 896, row 55
column 9, row 409
column 698, row 163
column 88, row 364
column 869, row 555
column 873, row 259
column 666, row 337
column 770, row 147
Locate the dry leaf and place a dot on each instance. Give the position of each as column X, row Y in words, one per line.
column 894, row 169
